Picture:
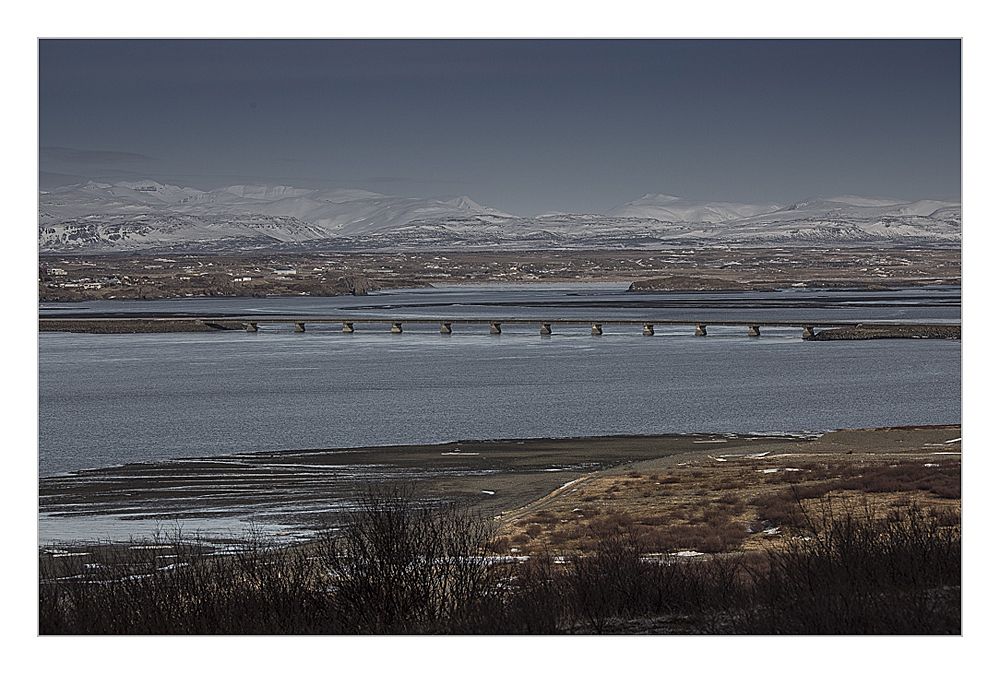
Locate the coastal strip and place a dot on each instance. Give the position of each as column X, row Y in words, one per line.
column 303, row 491
column 915, row 331
column 126, row 326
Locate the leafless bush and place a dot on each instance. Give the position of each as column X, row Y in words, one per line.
column 131, row 589
column 399, row 567
column 402, row 567
column 859, row 573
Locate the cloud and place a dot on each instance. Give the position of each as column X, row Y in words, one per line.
column 102, row 157
column 396, row 179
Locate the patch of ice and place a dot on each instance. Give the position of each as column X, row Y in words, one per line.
column 948, row 442
column 487, row 491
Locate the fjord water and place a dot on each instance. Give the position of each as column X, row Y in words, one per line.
column 112, row 399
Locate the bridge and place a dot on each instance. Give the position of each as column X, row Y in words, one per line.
column 395, row 325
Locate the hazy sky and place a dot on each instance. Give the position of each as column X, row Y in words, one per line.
column 525, row 126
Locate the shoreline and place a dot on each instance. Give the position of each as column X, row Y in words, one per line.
column 295, row 492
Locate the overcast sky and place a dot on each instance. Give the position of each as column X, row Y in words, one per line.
column 526, row 126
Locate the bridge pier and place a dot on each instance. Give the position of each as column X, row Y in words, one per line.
column 546, row 329
column 349, row 327
column 494, row 328
column 446, row 328
column 700, row 331
column 595, row 329
column 396, row 329
column 647, row 330
column 300, row 327
column 251, row 327
column 807, row 331
column 755, row 331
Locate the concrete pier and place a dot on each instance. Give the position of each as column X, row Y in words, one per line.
column 494, row 328
column 300, row 327
column 755, row 331
column 349, row 327
column 595, row 329
column 647, row 330
column 700, row 331
column 807, row 331
column 546, row 329
column 446, row 328
column 397, row 328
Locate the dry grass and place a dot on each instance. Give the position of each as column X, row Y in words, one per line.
column 740, row 504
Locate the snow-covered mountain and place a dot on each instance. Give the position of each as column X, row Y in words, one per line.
column 133, row 216
column 675, row 209
column 147, row 214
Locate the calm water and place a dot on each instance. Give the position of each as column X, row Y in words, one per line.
column 111, row 399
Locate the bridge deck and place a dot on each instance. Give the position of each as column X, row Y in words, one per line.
column 508, row 320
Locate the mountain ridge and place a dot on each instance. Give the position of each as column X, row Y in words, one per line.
column 148, row 215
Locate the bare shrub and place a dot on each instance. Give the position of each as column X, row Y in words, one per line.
column 858, row 573
column 252, row 591
column 610, row 525
column 399, row 567
column 730, row 498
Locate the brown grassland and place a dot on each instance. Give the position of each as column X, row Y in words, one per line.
column 729, row 504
